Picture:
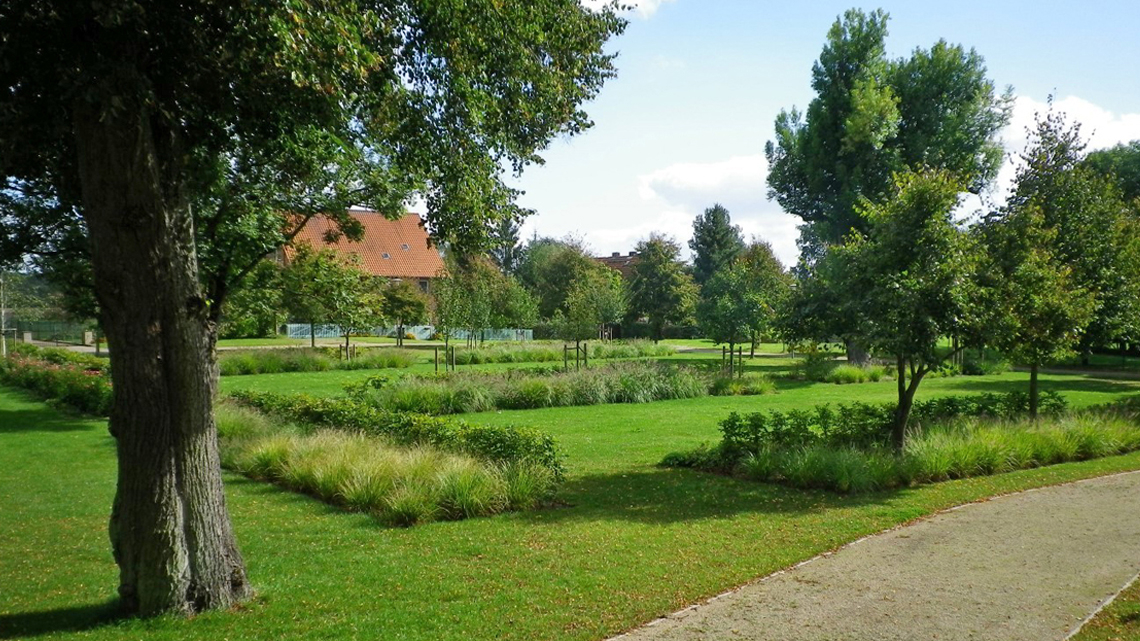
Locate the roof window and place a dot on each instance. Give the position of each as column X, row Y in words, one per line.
column 405, row 247
column 385, row 255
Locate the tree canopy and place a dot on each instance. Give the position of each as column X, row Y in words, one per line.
column 872, row 117
column 661, row 290
column 715, row 244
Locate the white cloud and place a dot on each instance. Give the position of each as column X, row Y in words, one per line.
column 1100, row 128
column 738, row 183
column 643, row 8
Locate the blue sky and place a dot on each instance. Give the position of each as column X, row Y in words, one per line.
column 700, row 83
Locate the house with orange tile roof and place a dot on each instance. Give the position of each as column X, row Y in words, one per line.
column 395, row 249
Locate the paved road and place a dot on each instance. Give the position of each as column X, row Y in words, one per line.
column 1029, row 566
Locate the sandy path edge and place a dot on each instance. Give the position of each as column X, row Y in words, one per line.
column 755, row 610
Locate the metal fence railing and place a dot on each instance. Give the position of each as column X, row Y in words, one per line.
column 421, row 332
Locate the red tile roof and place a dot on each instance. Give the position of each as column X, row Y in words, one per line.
column 390, row 248
column 623, row 264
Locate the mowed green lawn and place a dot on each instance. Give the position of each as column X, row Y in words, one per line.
column 631, row 543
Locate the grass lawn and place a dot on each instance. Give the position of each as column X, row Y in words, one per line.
column 1120, row 621
column 634, row 541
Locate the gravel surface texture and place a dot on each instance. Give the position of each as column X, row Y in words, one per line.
column 1029, row 566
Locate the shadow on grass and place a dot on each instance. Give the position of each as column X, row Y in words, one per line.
column 41, row 417
column 1075, row 384
column 80, row 618
column 663, row 496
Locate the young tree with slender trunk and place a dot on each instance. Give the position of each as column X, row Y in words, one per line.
column 909, row 280
column 661, row 290
column 1035, row 312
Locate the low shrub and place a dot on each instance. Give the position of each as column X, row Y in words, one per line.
column 786, row 449
column 537, row 353
column 367, row 474
column 747, row 385
column 306, row 359
column 621, row 382
column 497, row 443
column 849, row 374
column 983, row 363
column 62, row 377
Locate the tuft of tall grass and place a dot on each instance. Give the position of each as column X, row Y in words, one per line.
column 305, row 359
column 849, row 374
column 748, row 385
column 956, row 449
column 400, row 486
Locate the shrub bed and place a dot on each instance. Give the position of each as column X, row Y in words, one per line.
column 845, row 449
column 529, row 353
column 401, row 486
column 501, row 444
column 79, row 381
column 623, row 382
column 306, row 359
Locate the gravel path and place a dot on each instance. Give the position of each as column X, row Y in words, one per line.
column 1029, row 566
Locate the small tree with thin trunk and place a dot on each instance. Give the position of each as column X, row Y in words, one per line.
column 731, row 307
column 661, row 290
column 326, row 288
column 404, row 304
column 1036, row 313
column 910, row 280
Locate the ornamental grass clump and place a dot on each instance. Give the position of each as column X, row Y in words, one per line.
column 306, row 359
column 397, row 485
column 956, row 438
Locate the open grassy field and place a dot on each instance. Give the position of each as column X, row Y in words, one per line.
column 632, row 542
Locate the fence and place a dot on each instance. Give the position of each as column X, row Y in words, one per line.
column 57, row 331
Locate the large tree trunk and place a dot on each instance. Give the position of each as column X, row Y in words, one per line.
column 857, row 355
column 170, row 532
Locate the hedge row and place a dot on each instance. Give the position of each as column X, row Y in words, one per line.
column 55, row 375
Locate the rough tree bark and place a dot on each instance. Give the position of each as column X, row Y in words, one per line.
column 857, row 355
column 906, row 401
column 170, row 531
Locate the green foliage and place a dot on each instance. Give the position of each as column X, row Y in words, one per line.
column 254, row 308
column 1122, row 163
column 277, row 360
column 501, row 444
column 848, row 374
column 748, row 385
column 596, row 299
column 404, row 304
column 366, row 474
column 1094, row 235
column 550, row 268
column 981, row 362
column 860, row 424
column 475, row 296
column 623, row 382
column 661, row 291
column 872, row 117
column 716, row 243
column 78, row 381
column 324, row 287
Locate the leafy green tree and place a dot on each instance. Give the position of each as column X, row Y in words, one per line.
column 140, row 108
column 1034, row 312
column 1122, row 162
column 506, row 250
column 661, row 290
column 1094, row 227
column 715, row 244
column 907, row 280
column 872, row 117
column 731, row 308
column 405, row 305
column 766, row 275
column 549, row 268
column 324, row 287
column 476, row 296
column 594, row 301
column 255, row 307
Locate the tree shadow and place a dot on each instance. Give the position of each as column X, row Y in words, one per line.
column 665, row 496
column 23, row 625
column 42, row 418
column 1075, row 384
